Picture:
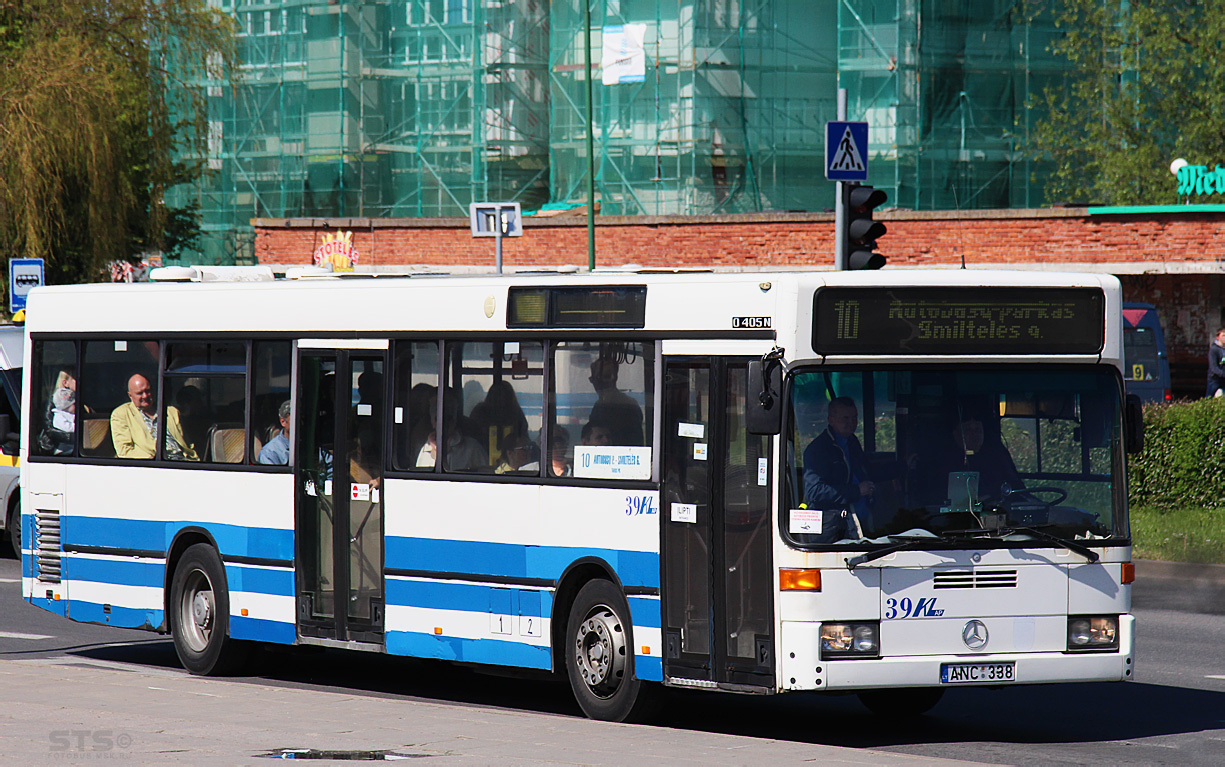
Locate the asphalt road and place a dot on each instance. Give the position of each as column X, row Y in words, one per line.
column 1173, row 713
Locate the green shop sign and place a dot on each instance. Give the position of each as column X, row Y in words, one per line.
column 1197, row 179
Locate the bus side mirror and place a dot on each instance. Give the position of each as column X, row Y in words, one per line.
column 765, row 406
column 1133, row 424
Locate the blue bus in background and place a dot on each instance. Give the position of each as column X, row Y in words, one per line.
column 1147, row 367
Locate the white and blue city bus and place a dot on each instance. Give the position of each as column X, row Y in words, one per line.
column 629, row 478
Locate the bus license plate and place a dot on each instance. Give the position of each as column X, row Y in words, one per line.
column 977, row 673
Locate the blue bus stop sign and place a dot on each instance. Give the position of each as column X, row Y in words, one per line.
column 846, row 151
column 24, row 274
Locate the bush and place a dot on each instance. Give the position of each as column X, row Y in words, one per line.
column 1183, row 461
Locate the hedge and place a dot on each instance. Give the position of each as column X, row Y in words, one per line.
column 1183, row 461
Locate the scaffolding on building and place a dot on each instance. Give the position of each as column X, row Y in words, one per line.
column 416, row 108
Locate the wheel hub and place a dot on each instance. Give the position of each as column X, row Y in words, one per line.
column 202, row 610
column 601, row 651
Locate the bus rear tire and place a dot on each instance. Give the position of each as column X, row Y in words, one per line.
column 901, row 703
column 200, row 614
column 600, row 655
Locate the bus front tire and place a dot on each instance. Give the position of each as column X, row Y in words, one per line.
column 200, row 614
column 901, row 703
column 600, row 655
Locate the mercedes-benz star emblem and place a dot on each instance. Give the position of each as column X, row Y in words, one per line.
column 975, row 635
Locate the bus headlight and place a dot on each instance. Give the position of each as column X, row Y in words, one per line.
column 1093, row 632
column 850, row 640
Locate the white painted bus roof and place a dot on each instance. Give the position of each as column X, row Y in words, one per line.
column 675, row 302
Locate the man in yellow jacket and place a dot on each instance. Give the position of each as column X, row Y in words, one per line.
column 134, row 426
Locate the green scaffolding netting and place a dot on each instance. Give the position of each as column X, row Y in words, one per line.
column 416, row 108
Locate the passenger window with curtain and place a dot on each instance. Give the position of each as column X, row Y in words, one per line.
column 601, row 409
column 53, row 417
column 117, row 400
column 204, row 407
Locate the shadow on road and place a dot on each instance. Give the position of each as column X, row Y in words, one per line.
column 1053, row 714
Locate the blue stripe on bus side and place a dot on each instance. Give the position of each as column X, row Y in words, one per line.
column 491, row 651
column 121, row 572
column 649, row 669
column 645, row 612
column 260, row 580
column 261, row 630
column 510, row 560
column 146, row 535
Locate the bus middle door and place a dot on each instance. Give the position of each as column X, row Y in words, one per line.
column 717, row 540
column 339, row 442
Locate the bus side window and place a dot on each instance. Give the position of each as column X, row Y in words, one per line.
column 601, row 396
column 108, row 369
column 270, row 387
column 54, row 414
column 205, row 401
column 502, row 388
column 415, row 390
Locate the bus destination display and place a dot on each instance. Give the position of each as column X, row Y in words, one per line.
column 956, row 320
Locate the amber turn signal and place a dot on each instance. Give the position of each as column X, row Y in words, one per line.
column 799, row 580
column 1129, row 573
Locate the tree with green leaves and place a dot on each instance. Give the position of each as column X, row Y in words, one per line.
column 1146, row 86
column 92, row 94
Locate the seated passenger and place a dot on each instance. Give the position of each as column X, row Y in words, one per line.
column 462, row 453
column 134, row 426
column 59, row 436
column 559, row 454
column 519, row 456
column 595, row 434
column 975, row 446
column 499, row 418
column 276, row 452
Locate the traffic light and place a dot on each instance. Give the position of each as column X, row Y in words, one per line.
column 861, row 231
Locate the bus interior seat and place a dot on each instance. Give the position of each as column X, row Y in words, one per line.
column 96, row 438
column 226, row 444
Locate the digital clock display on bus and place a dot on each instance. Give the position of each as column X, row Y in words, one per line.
column 958, row 320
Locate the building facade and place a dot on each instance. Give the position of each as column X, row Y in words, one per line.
column 415, row 108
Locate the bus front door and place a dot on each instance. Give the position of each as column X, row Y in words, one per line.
column 338, row 436
column 717, row 541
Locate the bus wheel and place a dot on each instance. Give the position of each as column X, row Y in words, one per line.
column 14, row 527
column 200, row 614
column 599, row 653
column 901, row 703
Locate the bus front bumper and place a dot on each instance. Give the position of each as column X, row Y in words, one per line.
column 802, row 668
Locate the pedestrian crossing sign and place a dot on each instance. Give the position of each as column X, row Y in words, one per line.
column 846, row 151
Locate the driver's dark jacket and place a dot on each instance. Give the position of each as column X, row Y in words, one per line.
column 828, row 483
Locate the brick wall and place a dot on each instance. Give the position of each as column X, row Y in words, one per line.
column 1049, row 237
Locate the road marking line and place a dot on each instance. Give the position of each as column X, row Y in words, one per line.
column 19, row 635
column 1215, row 676
column 10, row 580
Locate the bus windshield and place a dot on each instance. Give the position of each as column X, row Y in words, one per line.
column 941, row 453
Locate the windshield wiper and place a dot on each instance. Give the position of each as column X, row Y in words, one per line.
column 1072, row 546
column 902, row 543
